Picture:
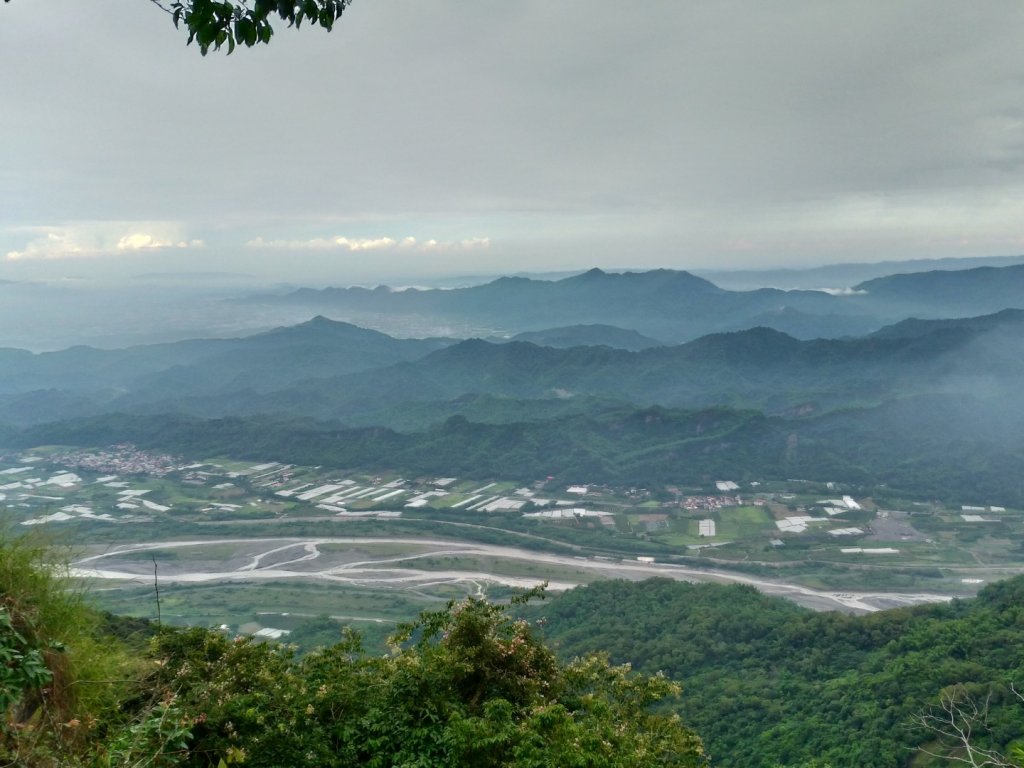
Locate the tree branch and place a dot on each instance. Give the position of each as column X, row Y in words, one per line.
column 955, row 721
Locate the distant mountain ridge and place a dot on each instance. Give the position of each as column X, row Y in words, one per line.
column 844, row 275
column 313, row 370
column 913, row 326
column 862, row 409
column 942, row 293
column 317, row 348
column 665, row 304
column 677, row 306
column 758, row 368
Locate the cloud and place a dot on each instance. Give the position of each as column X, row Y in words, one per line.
column 99, row 239
column 325, row 243
column 636, row 135
column 140, row 240
column 459, row 245
column 371, row 244
column 53, row 246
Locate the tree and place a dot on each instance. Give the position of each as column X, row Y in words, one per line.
column 463, row 686
column 958, row 723
column 215, row 23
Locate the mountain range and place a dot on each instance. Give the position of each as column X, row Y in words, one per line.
column 566, row 399
column 334, row 371
column 676, row 306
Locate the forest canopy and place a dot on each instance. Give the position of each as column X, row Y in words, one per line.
column 467, row 685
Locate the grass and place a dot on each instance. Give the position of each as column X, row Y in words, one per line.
column 680, row 539
column 954, row 543
column 236, row 604
column 498, row 566
column 364, row 550
column 51, row 615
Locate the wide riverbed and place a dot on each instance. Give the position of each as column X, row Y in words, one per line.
column 419, row 562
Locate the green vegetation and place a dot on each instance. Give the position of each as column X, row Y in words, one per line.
column 765, row 683
column 464, row 686
column 926, row 547
column 211, row 24
column 60, row 674
column 768, row 683
column 467, row 685
column 972, row 455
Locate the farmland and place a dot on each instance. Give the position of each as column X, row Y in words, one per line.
column 265, row 546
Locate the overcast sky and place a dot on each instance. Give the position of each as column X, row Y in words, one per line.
column 476, row 136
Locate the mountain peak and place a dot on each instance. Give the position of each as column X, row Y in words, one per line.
column 322, row 322
column 320, row 325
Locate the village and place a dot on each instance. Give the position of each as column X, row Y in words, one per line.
column 217, row 524
column 767, row 521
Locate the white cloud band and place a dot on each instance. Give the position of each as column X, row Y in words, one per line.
column 371, row 244
column 98, row 239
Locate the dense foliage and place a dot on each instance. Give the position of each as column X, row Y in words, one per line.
column 765, row 683
column 60, row 674
column 211, row 24
column 768, row 683
column 465, row 686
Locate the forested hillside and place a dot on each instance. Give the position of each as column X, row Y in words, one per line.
column 768, row 683
column 334, row 371
column 463, row 686
column 764, row 682
column 975, row 451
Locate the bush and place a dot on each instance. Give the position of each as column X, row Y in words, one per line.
column 56, row 692
column 464, row 686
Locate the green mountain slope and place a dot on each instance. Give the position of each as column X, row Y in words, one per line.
column 319, row 347
column 975, row 451
column 766, row 683
column 758, row 368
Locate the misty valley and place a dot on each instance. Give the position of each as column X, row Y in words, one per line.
column 854, row 458
column 511, row 385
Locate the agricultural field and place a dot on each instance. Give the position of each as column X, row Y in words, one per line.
column 266, row 546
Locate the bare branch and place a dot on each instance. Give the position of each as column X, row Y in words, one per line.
column 954, row 722
column 161, row 6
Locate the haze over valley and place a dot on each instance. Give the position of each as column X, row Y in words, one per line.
column 292, row 480
column 511, row 384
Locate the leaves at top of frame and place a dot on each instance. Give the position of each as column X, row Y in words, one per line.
column 211, row 24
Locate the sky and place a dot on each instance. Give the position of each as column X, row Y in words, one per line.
column 455, row 137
